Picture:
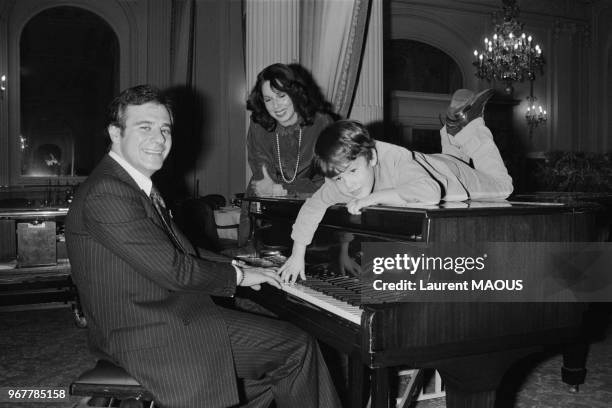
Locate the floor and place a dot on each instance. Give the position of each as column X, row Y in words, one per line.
column 44, row 348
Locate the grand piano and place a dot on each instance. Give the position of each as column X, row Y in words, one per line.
column 471, row 344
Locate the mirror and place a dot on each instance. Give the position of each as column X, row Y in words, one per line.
column 69, row 71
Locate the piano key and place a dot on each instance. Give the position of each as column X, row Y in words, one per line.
column 326, row 302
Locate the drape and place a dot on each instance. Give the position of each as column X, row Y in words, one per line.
column 332, row 38
column 183, row 14
column 183, row 90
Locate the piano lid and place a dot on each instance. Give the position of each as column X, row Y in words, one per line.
column 450, row 208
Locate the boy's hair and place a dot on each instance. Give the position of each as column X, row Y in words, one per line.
column 339, row 143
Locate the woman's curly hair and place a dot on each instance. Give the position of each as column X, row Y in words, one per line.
column 292, row 80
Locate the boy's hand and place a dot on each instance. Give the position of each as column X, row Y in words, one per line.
column 266, row 186
column 355, row 205
column 292, row 268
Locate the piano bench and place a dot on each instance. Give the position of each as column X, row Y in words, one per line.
column 107, row 384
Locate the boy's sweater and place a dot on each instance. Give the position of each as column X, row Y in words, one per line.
column 423, row 178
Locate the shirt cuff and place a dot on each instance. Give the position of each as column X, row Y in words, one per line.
column 239, row 273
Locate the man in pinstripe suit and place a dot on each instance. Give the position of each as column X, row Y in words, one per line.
column 147, row 295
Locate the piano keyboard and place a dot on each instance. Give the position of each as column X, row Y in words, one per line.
column 339, row 307
column 339, row 295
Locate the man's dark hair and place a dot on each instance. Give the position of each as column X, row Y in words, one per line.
column 339, row 143
column 287, row 79
column 137, row 95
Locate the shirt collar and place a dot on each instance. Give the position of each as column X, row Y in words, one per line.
column 143, row 181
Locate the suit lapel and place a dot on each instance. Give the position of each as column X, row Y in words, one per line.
column 109, row 166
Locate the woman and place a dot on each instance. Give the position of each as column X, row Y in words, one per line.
column 288, row 113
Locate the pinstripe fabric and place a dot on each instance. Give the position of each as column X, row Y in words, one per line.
column 276, row 359
column 146, row 302
column 149, row 308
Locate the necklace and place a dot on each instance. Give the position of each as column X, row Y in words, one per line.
column 297, row 163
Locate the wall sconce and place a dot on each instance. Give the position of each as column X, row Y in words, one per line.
column 535, row 115
column 2, row 85
column 23, row 143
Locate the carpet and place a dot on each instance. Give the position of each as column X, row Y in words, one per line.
column 44, row 348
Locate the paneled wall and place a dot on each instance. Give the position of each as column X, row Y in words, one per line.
column 601, row 74
column 4, row 163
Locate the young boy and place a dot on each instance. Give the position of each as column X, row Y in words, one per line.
column 360, row 171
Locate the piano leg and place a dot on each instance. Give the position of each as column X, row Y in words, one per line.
column 458, row 399
column 472, row 381
column 356, row 382
column 574, row 370
column 381, row 392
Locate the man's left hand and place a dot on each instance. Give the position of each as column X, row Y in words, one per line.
column 254, row 277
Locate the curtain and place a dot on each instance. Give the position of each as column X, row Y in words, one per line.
column 332, row 37
column 185, row 105
column 183, row 13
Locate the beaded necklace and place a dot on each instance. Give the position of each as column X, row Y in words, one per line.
column 297, row 164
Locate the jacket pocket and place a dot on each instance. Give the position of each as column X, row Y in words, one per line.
column 139, row 337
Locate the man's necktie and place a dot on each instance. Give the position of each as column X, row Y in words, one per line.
column 164, row 215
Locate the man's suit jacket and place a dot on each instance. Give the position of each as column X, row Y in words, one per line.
column 147, row 303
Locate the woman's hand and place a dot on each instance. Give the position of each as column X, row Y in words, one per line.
column 266, row 186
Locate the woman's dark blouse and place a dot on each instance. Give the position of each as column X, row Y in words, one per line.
column 262, row 150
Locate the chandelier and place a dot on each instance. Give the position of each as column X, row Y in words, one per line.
column 510, row 55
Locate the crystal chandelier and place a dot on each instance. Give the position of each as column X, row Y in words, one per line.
column 510, row 55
